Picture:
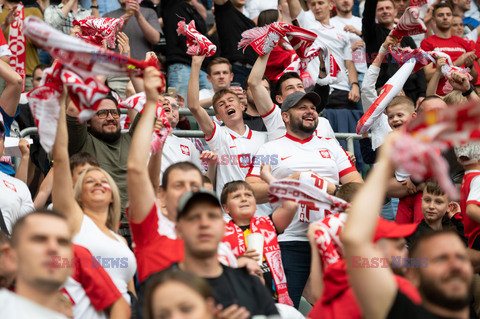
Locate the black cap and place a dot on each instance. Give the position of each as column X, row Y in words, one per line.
column 191, row 197
column 292, row 100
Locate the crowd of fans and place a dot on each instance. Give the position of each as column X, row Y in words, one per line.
column 103, row 226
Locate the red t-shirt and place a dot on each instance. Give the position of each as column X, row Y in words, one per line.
column 453, row 46
column 410, row 209
column 156, row 246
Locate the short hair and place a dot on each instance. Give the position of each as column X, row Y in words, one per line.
column 114, row 208
column 192, row 281
column 267, row 17
column 432, row 187
column 40, row 66
column 413, row 250
column 218, row 95
column 183, row 166
column 454, row 97
column 440, row 6
column 82, row 158
column 348, row 191
column 393, row 2
column 218, row 60
column 283, row 78
column 427, row 98
column 17, row 227
column 111, row 96
column 404, row 100
column 234, row 186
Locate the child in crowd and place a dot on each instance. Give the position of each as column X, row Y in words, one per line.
column 469, row 156
column 238, row 201
column 400, row 110
column 435, row 206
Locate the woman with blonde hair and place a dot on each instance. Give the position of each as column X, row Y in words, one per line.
column 92, row 208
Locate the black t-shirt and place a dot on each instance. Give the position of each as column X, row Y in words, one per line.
column 230, row 25
column 254, row 122
column 403, row 308
column 172, row 12
column 237, row 286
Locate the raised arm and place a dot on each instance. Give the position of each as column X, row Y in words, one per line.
column 261, row 97
column 140, row 191
column 62, row 192
column 11, row 94
column 295, row 8
column 375, row 288
column 155, row 162
column 199, row 113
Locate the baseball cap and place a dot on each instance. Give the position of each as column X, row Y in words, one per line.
column 388, row 229
column 292, row 100
column 191, row 197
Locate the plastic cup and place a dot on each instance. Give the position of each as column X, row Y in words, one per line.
column 255, row 241
column 235, row 84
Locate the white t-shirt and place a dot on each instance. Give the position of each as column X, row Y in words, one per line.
column 15, row 306
column 15, row 199
column 474, row 194
column 288, row 155
column 253, row 8
column 178, row 149
column 113, row 254
column 276, row 126
column 336, row 40
column 359, row 55
column 235, row 153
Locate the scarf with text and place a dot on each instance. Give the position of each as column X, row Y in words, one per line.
column 17, row 43
column 271, row 250
column 409, row 23
column 327, row 238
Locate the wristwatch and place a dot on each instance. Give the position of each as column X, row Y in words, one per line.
column 469, row 91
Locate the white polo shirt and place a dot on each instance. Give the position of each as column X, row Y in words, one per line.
column 235, row 153
column 276, row 127
column 322, row 156
column 15, row 199
column 178, row 149
column 336, row 40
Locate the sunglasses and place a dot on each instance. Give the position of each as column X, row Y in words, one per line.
column 103, row 114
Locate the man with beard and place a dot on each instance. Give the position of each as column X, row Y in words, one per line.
column 460, row 51
column 444, row 283
column 36, row 239
column 101, row 136
column 297, row 152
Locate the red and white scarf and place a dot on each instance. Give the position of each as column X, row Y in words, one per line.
column 235, row 238
column 17, row 43
column 409, row 24
column 197, row 43
column 95, row 30
column 431, row 132
column 78, row 63
column 137, row 102
column 311, row 196
column 390, row 90
column 327, row 238
column 261, row 39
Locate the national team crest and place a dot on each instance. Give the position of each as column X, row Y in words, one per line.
column 185, row 150
column 325, row 153
column 10, row 185
column 244, row 160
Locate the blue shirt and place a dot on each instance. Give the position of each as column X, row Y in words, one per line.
column 104, row 6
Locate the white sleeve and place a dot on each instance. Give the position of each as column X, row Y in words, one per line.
column 369, row 94
column 26, row 198
column 344, row 164
column 474, row 195
column 274, row 123
column 216, row 141
column 347, row 50
column 324, row 129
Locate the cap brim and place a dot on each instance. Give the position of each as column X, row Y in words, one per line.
column 194, row 198
column 388, row 229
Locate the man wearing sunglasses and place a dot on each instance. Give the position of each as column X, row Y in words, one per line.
column 101, row 136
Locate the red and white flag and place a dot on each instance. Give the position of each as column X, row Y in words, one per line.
column 197, row 43
column 95, row 30
column 409, row 24
column 390, row 90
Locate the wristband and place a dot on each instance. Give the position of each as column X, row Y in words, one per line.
column 337, row 187
column 469, row 91
column 382, row 50
column 355, row 83
column 93, row 7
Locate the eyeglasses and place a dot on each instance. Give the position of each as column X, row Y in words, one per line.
column 103, row 114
